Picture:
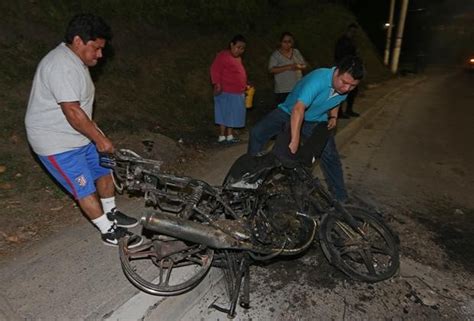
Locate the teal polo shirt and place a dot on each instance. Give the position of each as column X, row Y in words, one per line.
column 316, row 93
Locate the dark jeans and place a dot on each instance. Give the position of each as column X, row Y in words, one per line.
column 349, row 101
column 280, row 97
column 351, row 98
column 274, row 123
column 332, row 170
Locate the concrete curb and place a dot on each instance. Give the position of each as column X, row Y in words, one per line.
column 144, row 306
column 148, row 307
column 6, row 311
column 177, row 306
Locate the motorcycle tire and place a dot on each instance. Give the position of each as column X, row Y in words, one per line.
column 150, row 276
column 370, row 254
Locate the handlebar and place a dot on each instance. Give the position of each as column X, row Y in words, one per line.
column 123, row 156
column 124, row 164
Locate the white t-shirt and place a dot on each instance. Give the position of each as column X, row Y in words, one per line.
column 61, row 76
column 286, row 80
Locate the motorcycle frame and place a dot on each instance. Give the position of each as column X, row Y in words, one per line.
column 165, row 192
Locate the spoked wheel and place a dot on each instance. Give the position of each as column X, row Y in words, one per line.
column 368, row 254
column 165, row 267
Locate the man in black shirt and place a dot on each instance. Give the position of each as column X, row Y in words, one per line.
column 345, row 46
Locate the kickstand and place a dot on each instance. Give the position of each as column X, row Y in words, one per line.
column 245, row 299
column 218, row 308
column 243, row 268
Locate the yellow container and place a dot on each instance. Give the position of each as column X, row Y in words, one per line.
column 249, row 92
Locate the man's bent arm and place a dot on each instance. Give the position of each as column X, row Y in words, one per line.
column 79, row 120
column 332, row 117
column 297, row 117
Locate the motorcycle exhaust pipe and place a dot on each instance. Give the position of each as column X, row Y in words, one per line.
column 187, row 230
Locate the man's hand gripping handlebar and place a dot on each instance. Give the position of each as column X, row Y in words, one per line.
column 125, row 165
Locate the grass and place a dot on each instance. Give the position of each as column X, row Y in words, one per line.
column 158, row 76
column 157, row 79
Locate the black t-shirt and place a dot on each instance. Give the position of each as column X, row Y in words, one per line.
column 344, row 47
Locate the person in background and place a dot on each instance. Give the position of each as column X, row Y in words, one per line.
column 229, row 81
column 61, row 132
column 346, row 46
column 314, row 99
column 286, row 64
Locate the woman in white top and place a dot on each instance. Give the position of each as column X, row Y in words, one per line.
column 286, row 64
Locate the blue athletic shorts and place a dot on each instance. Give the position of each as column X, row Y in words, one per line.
column 76, row 170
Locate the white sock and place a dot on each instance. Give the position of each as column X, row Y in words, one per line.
column 108, row 204
column 221, row 138
column 103, row 223
column 230, row 137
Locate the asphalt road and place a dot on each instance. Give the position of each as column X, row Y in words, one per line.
column 414, row 161
column 420, row 147
column 414, row 151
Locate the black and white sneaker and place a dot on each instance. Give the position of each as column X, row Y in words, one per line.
column 115, row 233
column 121, row 219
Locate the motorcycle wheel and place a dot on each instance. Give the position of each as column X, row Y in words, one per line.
column 165, row 268
column 370, row 254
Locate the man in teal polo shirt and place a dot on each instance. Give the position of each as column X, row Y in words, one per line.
column 314, row 99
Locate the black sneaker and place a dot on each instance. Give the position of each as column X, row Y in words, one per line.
column 121, row 219
column 115, row 233
column 352, row 114
column 343, row 116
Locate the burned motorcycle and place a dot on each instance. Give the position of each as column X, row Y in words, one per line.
column 264, row 209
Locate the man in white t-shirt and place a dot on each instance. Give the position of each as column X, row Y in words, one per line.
column 61, row 132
